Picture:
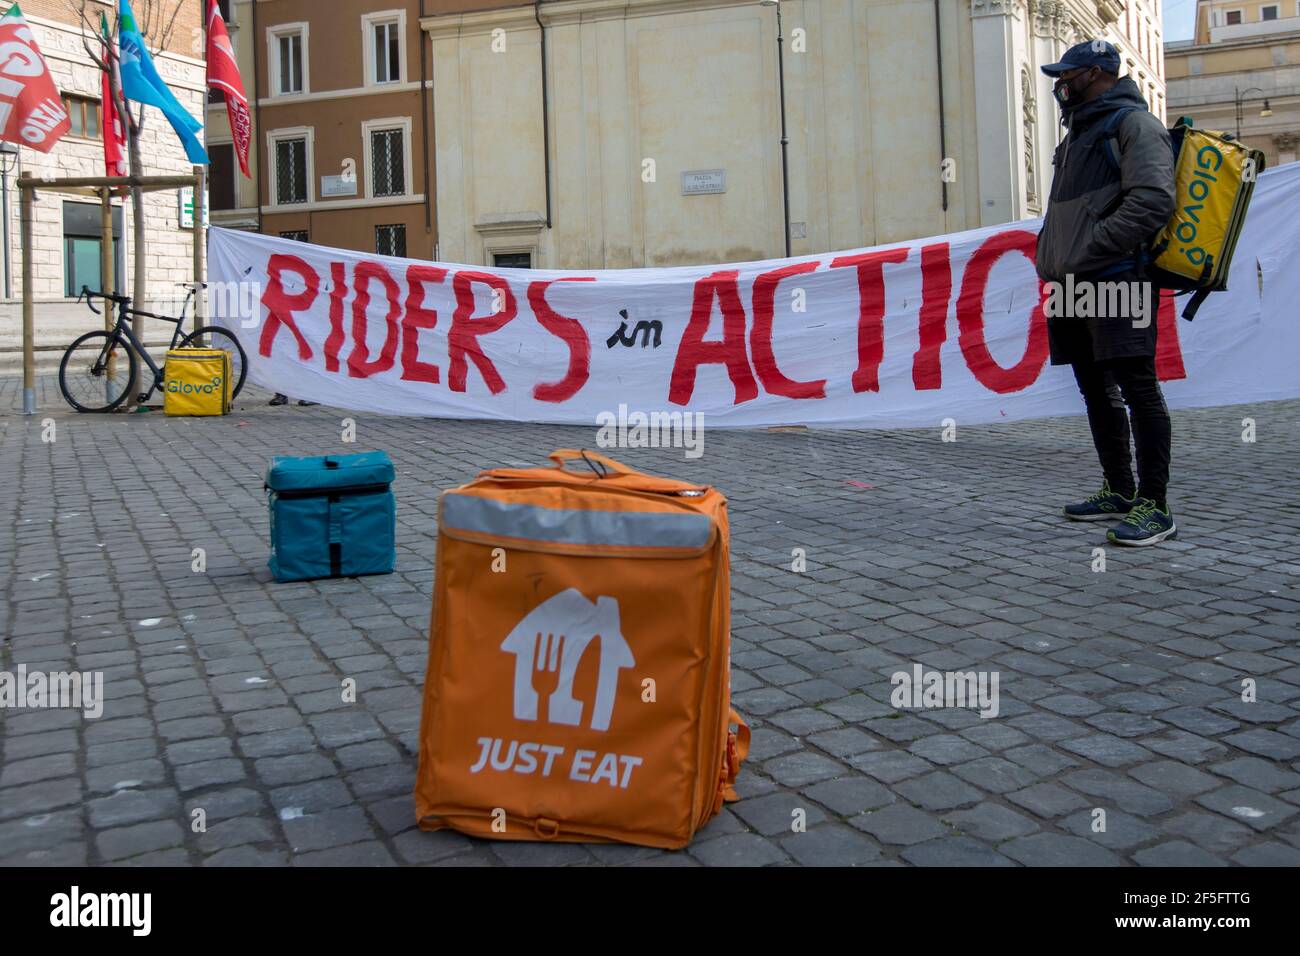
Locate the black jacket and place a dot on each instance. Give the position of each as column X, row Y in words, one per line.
column 1098, row 216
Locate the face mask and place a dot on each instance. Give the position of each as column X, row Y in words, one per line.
column 1065, row 94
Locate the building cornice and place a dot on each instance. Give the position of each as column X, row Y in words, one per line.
column 1108, row 11
column 561, row 12
column 998, row 8
column 511, row 224
column 296, row 99
column 1227, row 46
column 1054, row 19
column 328, row 205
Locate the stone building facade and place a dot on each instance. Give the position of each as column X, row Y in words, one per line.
column 653, row 137
column 1242, row 71
column 65, row 227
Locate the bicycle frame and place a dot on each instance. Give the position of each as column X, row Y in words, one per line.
column 123, row 325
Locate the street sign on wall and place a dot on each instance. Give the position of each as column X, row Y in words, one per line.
column 338, row 185
column 185, row 207
column 699, row 182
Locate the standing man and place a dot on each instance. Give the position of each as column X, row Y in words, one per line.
column 1112, row 190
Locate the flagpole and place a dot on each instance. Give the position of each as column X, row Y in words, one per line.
column 201, row 181
column 6, row 150
column 135, row 164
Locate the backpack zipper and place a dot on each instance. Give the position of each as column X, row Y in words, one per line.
column 634, row 492
column 327, row 492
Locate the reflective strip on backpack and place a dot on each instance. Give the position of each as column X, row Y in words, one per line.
column 638, row 529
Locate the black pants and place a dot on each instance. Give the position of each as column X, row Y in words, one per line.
column 1113, row 390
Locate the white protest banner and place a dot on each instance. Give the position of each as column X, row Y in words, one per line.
column 901, row 335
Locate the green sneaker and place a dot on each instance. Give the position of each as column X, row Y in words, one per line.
column 1145, row 524
column 1104, row 505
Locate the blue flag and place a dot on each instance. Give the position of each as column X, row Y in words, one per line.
column 141, row 82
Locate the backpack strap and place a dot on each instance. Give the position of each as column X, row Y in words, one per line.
column 737, row 751
column 1110, row 135
column 1194, row 303
column 1110, row 148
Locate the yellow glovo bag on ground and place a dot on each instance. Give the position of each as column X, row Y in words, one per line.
column 197, row 382
column 578, row 686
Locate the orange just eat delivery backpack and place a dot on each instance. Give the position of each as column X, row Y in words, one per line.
column 579, row 684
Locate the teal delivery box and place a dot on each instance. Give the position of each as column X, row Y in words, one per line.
column 331, row 516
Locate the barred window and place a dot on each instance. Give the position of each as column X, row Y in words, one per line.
column 297, row 235
column 390, row 240
column 387, row 163
column 290, row 171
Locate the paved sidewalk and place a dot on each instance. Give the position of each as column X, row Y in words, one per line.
column 1120, row 690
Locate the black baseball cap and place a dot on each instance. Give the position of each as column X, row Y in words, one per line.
column 1087, row 54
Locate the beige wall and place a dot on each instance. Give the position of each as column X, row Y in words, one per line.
column 693, row 85
column 664, row 89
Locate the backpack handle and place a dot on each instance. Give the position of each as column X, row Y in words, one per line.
column 562, row 455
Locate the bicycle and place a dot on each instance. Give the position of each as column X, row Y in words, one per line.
column 89, row 376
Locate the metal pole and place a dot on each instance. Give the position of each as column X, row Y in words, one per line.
column 4, row 189
column 943, row 132
column 107, row 279
column 546, row 114
column 106, row 276
column 29, row 331
column 200, row 188
column 785, row 140
column 1236, row 98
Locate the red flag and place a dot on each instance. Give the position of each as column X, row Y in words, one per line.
column 114, row 136
column 31, row 110
column 223, row 75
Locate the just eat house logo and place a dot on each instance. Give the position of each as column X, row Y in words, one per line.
column 552, row 638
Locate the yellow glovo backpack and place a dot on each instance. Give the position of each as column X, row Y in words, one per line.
column 196, row 382
column 1214, row 178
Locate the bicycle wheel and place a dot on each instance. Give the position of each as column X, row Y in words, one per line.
column 98, row 372
column 215, row 337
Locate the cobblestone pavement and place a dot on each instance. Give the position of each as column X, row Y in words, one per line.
column 1120, row 690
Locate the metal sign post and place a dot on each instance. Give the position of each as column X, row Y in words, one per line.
column 29, row 335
